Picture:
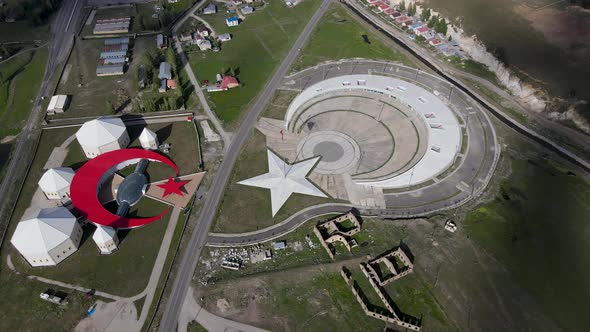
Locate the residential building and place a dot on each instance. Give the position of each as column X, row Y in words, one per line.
column 204, row 44
column 280, row 245
column 47, row 237
column 229, row 82
column 210, row 9
column 186, row 37
column 162, row 88
column 102, row 135
column 165, row 71
column 421, row 30
column 58, row 104
column 55, row 182
column 232, row 21
column 224, row 37
column 247, row 10
column 203, row 31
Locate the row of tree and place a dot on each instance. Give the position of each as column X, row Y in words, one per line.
column 439, row 24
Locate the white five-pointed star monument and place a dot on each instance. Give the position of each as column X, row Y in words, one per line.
column 284, row 179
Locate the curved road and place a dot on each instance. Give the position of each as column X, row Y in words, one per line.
column 199, row 237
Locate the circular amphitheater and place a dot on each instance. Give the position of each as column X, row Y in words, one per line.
column 380, row 131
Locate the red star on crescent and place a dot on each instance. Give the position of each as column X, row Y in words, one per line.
column 172, row 186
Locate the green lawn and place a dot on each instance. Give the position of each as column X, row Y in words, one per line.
column 259, row 43
column 538, row 227
column 23, row 310
column 124, row 273
column 19, row 84
column 340, row 36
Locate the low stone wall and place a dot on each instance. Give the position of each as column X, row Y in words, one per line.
column 391, row 320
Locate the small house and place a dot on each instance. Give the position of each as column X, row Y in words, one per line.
column 204, row 44
column 247, row 10
column 203, row 31
column 165, row 71
column 279, row 245
column 210, row 9
column 171, row 84
column 185, row 37
column 224, row 37
column 232, row 21
column 229, row 82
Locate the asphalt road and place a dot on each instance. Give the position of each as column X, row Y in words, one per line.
column 59, row 47
column 199, row 236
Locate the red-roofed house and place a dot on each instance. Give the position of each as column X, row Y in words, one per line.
column 382, row 7
column 402, row 19
column 435, row 42
column 394, row 15
column 421, row 30
column 171, row 84
column 229, row 82
column 389, row 11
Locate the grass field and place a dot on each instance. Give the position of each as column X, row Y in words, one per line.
column 31, row 311
column 19, row 82
column 340, row 36
column 23, row 310
column 259, row 43
column 124, row 273
column 296, row 300
column 537, row 226
column 414, row 298
column 244, row 208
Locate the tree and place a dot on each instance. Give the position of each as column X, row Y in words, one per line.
column 171, row 58
column 402, row 5
column 425, row 16
column 433, row 21
column 441, row 26
column 110, row 108
column 413, row 9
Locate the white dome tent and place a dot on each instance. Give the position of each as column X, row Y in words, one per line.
column 55, row 182
column 102, row 135
column 106, row 239
column 48, row 237
column 148, row 139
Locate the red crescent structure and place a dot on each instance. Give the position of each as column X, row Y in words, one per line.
column 84, row 187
